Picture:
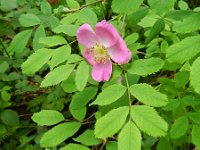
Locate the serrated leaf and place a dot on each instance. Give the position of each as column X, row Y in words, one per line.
column 184, row 50
column 146, row 66
column 59, row 133
column 27, row 20
column 45, row 7
column 88, row 16
column 132, row 38
column 72, row 146
column 196, row 136
column 179, row 128
column 111, row 123
column 36, row 61
column 88, row 138
column 130, row 137
column 47, row 117
column 194, row 75
column 60, row 55
column 110, row 95
column 54, row 40
column 186, row 26
column 82, row 75
column 22, row 38
column 66, row 29
column 158, row 26
column 40, row 32
column 78, row 114
column 146, row 94
column 148, row 120
column 57, row 75
column 126, row 6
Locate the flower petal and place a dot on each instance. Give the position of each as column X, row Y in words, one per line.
column 88, row 56
column 102, row 71
column 86, row 35
column 119, row 53
column 106, row 34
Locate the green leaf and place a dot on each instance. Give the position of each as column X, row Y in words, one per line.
column 22, row 38
column 132, row 38
column 66, row 29
column 78, row 114
column 184, row 50
column 47, row 117
column 148, row 95
column 130, row 137
column 186, row 26
column 8, row 5
column 88, row 138
column 69, row 85
column 60, row 55
column 179, row 128
column 59, row 133
column 163, row 144
column 58, row 75
column 196, row 136
column 27, row 20
column 9, row 117
column 82, row 75
column 110, row 95
column 73, row 4
column 40, row 32
column 126, row 6
column 74, row 147
column 194, row 116
column 148, row 120
column 158, row 26
column 81, row 99
column 194, row 75
column 163, row 7
column 45, row 8
column 54, row 40
column 36, row 61
column 146, row 66
column 3, row 66
column 86, row 15
column 111, row 123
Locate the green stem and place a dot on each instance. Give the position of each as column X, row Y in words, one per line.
column 128, row 91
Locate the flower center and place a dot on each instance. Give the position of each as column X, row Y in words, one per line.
column 100, row 53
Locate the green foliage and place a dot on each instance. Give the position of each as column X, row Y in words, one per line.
column 130, row 137
column 146, row 66
column 148, row 95
column 47, row 117
column 48, row 99
column 58, row 134
column 148, row 120
column 107, row 96
column 111, row 123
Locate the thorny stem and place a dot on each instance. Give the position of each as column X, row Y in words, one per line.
column 83, row 6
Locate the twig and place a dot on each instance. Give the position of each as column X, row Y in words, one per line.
column 83, row 6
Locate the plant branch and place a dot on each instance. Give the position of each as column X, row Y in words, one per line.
column 4, row 48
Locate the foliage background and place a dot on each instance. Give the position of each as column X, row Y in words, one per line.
column 49, row 100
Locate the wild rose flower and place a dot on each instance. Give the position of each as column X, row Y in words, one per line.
column 103, row 45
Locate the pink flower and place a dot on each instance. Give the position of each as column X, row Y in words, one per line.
column 102, row 45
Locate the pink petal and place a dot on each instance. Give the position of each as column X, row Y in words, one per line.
column 106, row 33
column 88, row 56
column 102, row 71
column 119, row 53
column 86, row 35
